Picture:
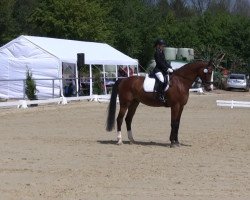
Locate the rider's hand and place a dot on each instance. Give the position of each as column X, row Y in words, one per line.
column 170, row 70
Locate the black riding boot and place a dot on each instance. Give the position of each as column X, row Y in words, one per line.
column 161, row 92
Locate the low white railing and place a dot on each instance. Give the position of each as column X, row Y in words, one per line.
column 198, row 90
column 65, row 100
column 233, row 104
column 61, row 100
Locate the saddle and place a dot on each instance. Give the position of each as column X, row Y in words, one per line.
column 151, row 83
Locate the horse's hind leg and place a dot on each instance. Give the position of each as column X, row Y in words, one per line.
column 129, row 117
column 123, row 109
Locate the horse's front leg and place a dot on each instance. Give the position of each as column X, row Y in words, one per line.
column 174, row 133
column 176, row 112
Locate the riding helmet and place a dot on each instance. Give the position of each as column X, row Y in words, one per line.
column 160, row 42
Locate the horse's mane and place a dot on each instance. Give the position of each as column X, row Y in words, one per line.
column 191, row 66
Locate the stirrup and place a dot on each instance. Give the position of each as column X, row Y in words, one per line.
column 162, row 99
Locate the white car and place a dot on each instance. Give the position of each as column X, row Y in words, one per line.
column 237, row 81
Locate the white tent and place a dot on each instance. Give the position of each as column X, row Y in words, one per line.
column 44, row 57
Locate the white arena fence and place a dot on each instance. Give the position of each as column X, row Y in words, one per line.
column 24, row 103
column 198, row 90
column 62, row 100
column 233, row 104
column 54, row 88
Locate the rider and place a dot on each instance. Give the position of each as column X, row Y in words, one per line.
column 162, row 67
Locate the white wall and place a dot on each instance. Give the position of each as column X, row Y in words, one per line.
column 16, row 58
column 41, row 69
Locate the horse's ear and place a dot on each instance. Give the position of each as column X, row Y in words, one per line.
column 211, row 61
column 220, row 56
column 215, row 62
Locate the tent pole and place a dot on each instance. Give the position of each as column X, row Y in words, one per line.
column 53, row 88
column 24, row 89
column 137, row 69
column 90, row 81
column 60, row 74
column 77, row 80
column 128, row 70
column 116, row 72
column 104, row 79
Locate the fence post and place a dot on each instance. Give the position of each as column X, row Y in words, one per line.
column 53, row 88
column 23, row 88
column 90, row 81
column 104, row 79
column 232, row 104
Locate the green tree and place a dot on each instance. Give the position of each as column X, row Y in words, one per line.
column 79, row 19
column 30, row 86
column 134, row 24
column 6, row 20
column 180, row 8
column 22, row 10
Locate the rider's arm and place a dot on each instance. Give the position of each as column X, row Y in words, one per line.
column 160, row 62
column 168, row 65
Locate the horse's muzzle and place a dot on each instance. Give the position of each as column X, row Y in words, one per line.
column 208, row 89
column 207, row 86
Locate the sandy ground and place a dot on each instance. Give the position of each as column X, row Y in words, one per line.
column 64, row 152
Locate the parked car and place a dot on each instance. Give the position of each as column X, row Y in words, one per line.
column 237, row 81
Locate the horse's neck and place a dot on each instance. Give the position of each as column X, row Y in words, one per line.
column 189, row 73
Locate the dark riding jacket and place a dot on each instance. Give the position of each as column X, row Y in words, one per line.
column 161, row 64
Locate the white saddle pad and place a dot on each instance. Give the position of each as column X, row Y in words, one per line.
column 149, row 84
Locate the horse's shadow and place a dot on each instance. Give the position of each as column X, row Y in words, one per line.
column 142, row 143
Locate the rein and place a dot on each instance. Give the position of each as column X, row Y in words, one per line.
column 203, row 83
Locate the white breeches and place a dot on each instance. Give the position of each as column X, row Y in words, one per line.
column 159, row 75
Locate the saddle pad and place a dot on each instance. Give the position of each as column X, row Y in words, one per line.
column 149, row 84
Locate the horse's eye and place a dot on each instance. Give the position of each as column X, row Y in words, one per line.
column 205, row 71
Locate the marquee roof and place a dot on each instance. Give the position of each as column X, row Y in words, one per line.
column 66, row 50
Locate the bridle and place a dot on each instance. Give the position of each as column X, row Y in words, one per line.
column 206, row 70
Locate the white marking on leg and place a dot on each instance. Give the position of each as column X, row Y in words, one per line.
column 119, row 137
column 130, row 136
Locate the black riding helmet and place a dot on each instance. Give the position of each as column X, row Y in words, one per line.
column 160, row 42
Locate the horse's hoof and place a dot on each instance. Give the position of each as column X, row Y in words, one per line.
column 119, row 143
column 177, row 144
column 131, row 141
column 174, row 144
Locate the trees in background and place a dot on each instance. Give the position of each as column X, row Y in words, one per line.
column 6, row 20
column 132, row 26
column 78, row 19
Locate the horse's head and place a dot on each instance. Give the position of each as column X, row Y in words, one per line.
column 205, row 73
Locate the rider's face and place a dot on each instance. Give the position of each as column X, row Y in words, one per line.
column 161, row 47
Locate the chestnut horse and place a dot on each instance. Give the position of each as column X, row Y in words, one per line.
column 131, row 93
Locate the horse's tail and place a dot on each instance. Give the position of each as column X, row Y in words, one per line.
column 110, row 124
